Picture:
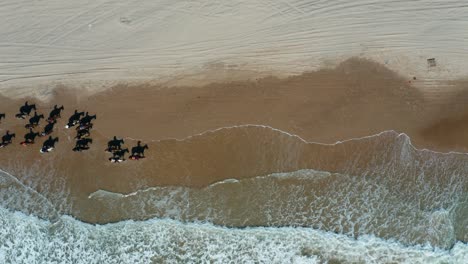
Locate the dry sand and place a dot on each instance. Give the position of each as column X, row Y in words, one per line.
column 94, row 43
column 358, row 98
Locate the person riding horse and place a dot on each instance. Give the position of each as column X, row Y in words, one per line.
column 82, row 133
column 114, row 144
column 86, row 120
column 55, row 113
column 119, row 155
column 49, row 128
column 75, row 118
column 6, row 139
column 49, row 143
column 34, row 121
column 25, row 110
column 82, row 144
column 29, row 137
column 139, row 150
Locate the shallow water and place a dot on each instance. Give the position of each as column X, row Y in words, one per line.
column 246, row 193
column 31, row 240
column 374, row 199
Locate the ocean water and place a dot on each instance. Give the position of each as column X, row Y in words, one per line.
column 27, row 239
column 385, row 202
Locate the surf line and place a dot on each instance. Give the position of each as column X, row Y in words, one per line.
column 399, row 134
column 56, row 217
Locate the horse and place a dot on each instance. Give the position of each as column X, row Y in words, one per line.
column 34, row 121
column 2, row 116
column 49, row 144
column 82, row 133
column 49, row 128
column 84, row 127
column 139, row 150
column 36, row 118
column 29, row 137
column 74, row 119
column 82, row 144
column 55, row 113
column 118, row 156
column 87, row 119
column 25, row 110
column 114, row 144
column 6, row 139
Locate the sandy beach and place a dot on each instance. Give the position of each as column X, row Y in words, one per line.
column 358, row 98
column 201, row 135
column 296, row 131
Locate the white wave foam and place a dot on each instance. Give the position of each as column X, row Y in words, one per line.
column 226, row 181
column 18, row 196
column 306, row 174
column 401, row 136
column 372, row 202
column 26, row 239
column 384, row 205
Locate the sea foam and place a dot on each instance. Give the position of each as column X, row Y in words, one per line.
column 27, row 239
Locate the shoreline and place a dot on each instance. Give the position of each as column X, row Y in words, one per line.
column 357, row 99
column 70, row 179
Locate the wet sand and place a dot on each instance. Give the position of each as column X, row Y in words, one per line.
column 358, row 98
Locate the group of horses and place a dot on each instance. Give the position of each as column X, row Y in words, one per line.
column 80, row 119
column 29, row 137
column 114, row 146
column 83, row 130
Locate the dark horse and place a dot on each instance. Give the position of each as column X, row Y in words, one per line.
column 25, row 110
column 118, row 156
column 139, row 150
column 29, row 137
column 49, row 128
column 84, row 127
column 34, row 121
column 55, row 113
column 114, row 144
column 74, row 119
column 6, row 139
column 2, row 116
column 87, row 119
column 82, row 144
column 82, row 133
column 49, row 144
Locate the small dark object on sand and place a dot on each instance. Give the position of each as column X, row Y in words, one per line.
column 431, row 62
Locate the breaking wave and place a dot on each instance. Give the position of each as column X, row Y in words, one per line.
column 374, row 199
